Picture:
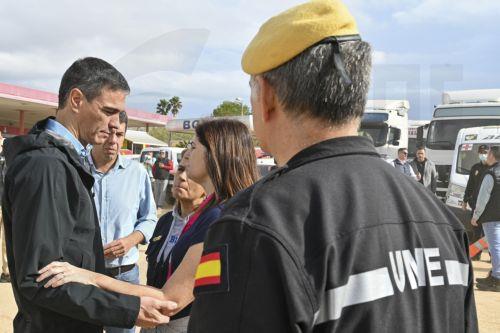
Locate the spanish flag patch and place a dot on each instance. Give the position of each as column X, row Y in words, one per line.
column 211, row 274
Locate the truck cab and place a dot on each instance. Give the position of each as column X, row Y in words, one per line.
column 417, row 134
column 459, row 109
column 465, row 156
column 385, row 122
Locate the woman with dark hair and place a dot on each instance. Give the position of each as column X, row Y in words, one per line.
column 221, row 158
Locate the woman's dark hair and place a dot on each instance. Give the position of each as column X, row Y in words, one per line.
column 230, row 158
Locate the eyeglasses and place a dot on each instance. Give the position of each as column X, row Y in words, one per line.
column 190, row 145
column 405, row 152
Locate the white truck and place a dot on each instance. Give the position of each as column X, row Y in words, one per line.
column 465, row 156
column 459, row 109
column 417, row 133
column 386, row 123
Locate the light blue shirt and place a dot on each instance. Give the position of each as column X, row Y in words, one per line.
column 59, row 129
column 124, row 204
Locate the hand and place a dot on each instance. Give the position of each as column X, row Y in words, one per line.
column 118, row 248
column 464, row 205
column 419, row 176
column 161, row 165
column 473, row 221
column 154, row 312
column 63, row 272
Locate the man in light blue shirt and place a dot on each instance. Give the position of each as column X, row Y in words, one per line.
column 125, row 207
column 487, row 213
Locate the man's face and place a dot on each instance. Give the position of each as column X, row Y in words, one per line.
column 403, row 155
column 491, row 159
column 110, row 149
column 420, row 155
column 100, row 116
column 163, row 154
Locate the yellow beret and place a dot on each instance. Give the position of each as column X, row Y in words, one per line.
column 288, row 34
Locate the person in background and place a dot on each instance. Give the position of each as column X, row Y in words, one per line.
column 5, row 277
column 221, row 158
column 161, row 172
column 425, row 170
column 125, row 207
column 402, row 165
column 149, row 162
column 189, row 195
column 487, row 213
column 472, row 190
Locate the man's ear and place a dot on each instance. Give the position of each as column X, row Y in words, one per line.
column 267, row 98
column 75, row 99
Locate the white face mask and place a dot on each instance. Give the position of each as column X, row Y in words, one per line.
column 483, row 157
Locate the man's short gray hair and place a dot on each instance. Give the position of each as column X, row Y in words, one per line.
column 495, row 151
column 310, row 85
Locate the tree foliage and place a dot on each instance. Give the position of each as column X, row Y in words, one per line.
column 176, row 105
column 228, row 108
column 176, row 139
column 173, row 106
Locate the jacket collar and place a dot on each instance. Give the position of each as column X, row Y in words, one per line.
column 53, row 139
column 347, row 145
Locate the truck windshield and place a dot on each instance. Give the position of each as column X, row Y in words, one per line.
column 442, row 134
column 378, row 134
column 467, row 157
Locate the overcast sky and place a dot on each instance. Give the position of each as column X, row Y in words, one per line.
column 193, row 48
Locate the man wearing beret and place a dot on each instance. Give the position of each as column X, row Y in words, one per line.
column 336, row 239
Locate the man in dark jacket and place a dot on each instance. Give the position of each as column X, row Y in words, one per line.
column 472, row 190
column 336, row 239
column 5, row 277
column 49, row 212
column 425, row 170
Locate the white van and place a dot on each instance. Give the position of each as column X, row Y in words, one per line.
column 464, row 157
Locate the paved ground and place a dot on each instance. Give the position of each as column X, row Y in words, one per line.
column 488, row 303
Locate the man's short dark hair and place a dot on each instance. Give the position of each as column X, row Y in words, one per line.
column 402, row 149
column 495, row 151
column 123, row 119
column 420, row 148
column 91, row 76
column 310, row 84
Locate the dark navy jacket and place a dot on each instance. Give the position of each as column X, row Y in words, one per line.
column 49, row 215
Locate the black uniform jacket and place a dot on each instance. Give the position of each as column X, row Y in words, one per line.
column 49, row 215
column 474, row 183
column 335, row 241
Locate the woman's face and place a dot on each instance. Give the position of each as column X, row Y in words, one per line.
column 185, row 188
column 196, row 167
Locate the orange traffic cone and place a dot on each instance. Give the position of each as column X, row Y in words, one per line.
column 477, row 247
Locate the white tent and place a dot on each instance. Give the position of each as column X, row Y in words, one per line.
column 143, row 138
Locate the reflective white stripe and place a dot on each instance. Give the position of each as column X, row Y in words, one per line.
column 457, row 272
column 360, row 288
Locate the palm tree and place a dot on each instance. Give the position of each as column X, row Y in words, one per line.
column 163, row 107
column 176, row 105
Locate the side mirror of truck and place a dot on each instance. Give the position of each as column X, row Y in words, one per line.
column 395, row 136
